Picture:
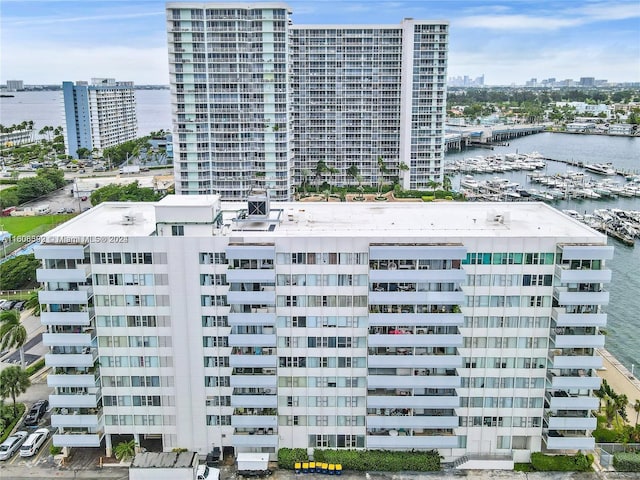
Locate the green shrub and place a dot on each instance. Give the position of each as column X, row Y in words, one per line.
column 561, row 463
column 287, row 457
column 604, row 435
column 7, row 413
column 34, row 367
column 380, row 460
column 522, row 467
column 53, row 450
column 627, row 461
column 427, row 199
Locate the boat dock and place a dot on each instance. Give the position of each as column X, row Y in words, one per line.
column 623, row 225
column 573, row 163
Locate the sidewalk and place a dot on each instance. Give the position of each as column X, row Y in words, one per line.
column 621, row 380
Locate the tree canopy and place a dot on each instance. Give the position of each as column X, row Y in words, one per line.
column 131, row 192
column 18, row 272
column 13, row 381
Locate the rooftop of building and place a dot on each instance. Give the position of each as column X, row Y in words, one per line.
column 164, row 460
column 442, row 219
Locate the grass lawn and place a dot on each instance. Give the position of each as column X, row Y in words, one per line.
column 22, row 225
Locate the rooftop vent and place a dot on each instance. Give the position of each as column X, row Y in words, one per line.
column 258, row 205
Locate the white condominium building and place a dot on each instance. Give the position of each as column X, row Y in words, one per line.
column 467, row 328
column 258, row 102
column 99, row 115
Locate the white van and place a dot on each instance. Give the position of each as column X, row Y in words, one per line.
column 34, row 442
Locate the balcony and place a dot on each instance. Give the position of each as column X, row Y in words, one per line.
column 249, row 298
column 71, row 380
column 395, row 381
column 411, row 421
column 398, row 442
column 247, row 360
column 259, row 439
column 572, row 423
column 66, row 339
column 253, row 317
column 69, row 359
column 414, row 276
column 59, row 252
column 564, row 319
column 578, row 382
column 579, row 275
column 66, row 318
column 73, row 439
column 410, row 319
column 415, row 361
column 566, row 297
column 407, row 340
column 406, row 297
column 260, row 421
column 75, row 420
column 412, row 401
column 562, row 401
column 247, row 340
column 89, row 400
column 575, row 360
column 587, row 252
column 64, row 296
column 579, row 341
column 253, row 275
column 569, row 443
column 268, row 400
column 254, row 381
column 78, row 275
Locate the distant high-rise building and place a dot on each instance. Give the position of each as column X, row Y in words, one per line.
column 260, row 102
column 15, row 85
column 587, row 81
column 99, row 115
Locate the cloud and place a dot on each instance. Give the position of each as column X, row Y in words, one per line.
column 22, row 21
column 514, row 22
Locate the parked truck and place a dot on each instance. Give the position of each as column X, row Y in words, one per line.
column 170, row 466
column 250, row 464
column 129, row 169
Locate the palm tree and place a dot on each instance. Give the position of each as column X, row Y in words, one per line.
column 321, row 169
column 621, row 402
column 382, row 167
column 125, row 450
column 610, row 410
column 33, row 302
column 636, row 407
column 12, row 332
column 403, row 167
column 13, row 381
column 353, row 171
column 306, row 173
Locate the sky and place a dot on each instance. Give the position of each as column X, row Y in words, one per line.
column 507, row 41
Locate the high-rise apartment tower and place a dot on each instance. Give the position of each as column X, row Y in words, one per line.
column 99, row 114
column 259, row 102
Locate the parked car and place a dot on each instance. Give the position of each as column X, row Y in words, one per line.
column 8, row 305
column 34, row 442
column 19, row 305
column 12, row 444
column 37, row 411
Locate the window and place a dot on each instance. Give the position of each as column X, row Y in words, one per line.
column 177, row 230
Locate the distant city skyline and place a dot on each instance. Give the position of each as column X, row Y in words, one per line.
column 509, row 42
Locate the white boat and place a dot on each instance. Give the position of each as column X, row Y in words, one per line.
column 601, row 168
column 469, row 182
